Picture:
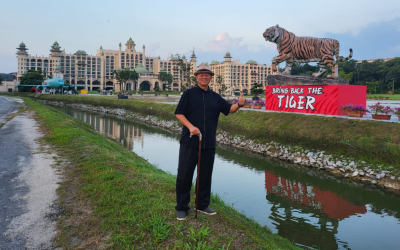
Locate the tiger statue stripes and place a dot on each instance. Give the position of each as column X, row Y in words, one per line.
column 293, row 48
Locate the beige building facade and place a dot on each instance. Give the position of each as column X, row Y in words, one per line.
column 93, row 72
column 9, row 82
column 238, row 77
column 96, row 72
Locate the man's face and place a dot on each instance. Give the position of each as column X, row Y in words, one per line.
column 203, row 79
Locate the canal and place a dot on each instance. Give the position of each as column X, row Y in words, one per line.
column 310, row 208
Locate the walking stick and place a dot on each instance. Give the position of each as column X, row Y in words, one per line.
column 198, row 177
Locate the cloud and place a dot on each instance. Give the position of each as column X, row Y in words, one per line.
column 223, row 42
column 378, row 40
column 396, row 47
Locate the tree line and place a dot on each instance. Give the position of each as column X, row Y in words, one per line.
column 380, row 77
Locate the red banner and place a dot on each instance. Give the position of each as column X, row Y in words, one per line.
column 326, row 99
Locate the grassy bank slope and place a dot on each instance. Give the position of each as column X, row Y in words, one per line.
column 373, row 141
column 114, row 199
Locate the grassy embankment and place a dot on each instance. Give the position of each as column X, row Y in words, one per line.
column 114, row 199
column 373, row 141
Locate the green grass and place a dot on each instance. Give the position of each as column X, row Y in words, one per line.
column 368, row 140
column 383, row 96
column 114, row 199
column 162, row 93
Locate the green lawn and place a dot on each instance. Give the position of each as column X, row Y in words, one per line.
column 383, row 97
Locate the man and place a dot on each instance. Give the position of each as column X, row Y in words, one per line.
column 198, row 110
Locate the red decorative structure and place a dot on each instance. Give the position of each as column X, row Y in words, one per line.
column 314, row 99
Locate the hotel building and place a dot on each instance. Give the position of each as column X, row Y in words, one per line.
column 94, row 72
column 239, row 77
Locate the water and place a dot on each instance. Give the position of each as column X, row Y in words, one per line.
column 306, row 206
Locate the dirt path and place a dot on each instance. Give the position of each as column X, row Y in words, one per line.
column 28, row 182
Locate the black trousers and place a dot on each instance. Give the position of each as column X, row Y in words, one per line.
column 188, row 158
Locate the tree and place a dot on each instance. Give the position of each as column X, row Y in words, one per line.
column 219, row 80
column 193, row 79
column 392, row 77
column 32, row 77
column 255, row 89
column 122, row 76
column 134, row 76
column 371, row 86
column 166, row 77
column 156, row 90
column 223, row 89
column 169, row 79
column 1, row 81
column 183, row 88
column 184, row 69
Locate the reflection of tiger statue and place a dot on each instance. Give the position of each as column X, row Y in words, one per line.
column 304, row 49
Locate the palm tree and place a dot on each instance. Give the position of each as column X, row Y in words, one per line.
column 169, row 79
column 134, row 76
column 165, row 77
column 193, row 79
column 122, row 76
column 162, row 76
column 219, row 80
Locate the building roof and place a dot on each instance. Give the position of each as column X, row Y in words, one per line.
column 82, row 51
column 7, row 77
column 140, row 69
column 172, row 58
column 228, row 54
column 130, row 41
column 251, row 62
column 214, row 62
column 372, row 60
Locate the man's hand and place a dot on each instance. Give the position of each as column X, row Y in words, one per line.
column 241, row 100
column 194, row 131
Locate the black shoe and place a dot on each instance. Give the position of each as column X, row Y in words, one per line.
column 208, row 211
column 181, row 215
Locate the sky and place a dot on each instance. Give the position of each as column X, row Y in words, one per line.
column 211, row 28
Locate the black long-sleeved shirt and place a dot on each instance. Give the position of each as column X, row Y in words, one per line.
column 201, row 108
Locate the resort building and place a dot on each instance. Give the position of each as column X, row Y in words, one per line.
column 96, row 72
column 9, row 81
column 93, row 72
column 238, row 77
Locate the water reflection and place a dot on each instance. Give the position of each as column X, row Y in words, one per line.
column 308, row 207
column 298, row 199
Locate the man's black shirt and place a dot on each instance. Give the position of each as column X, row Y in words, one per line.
column 201, row 108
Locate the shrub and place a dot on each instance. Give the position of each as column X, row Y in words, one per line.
column 377, row 108
column 259, row 102
column 353, row 107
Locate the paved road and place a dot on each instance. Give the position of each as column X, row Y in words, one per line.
column 27, row 183
column 6, row 108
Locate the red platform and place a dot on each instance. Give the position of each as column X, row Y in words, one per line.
column 326, row 99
